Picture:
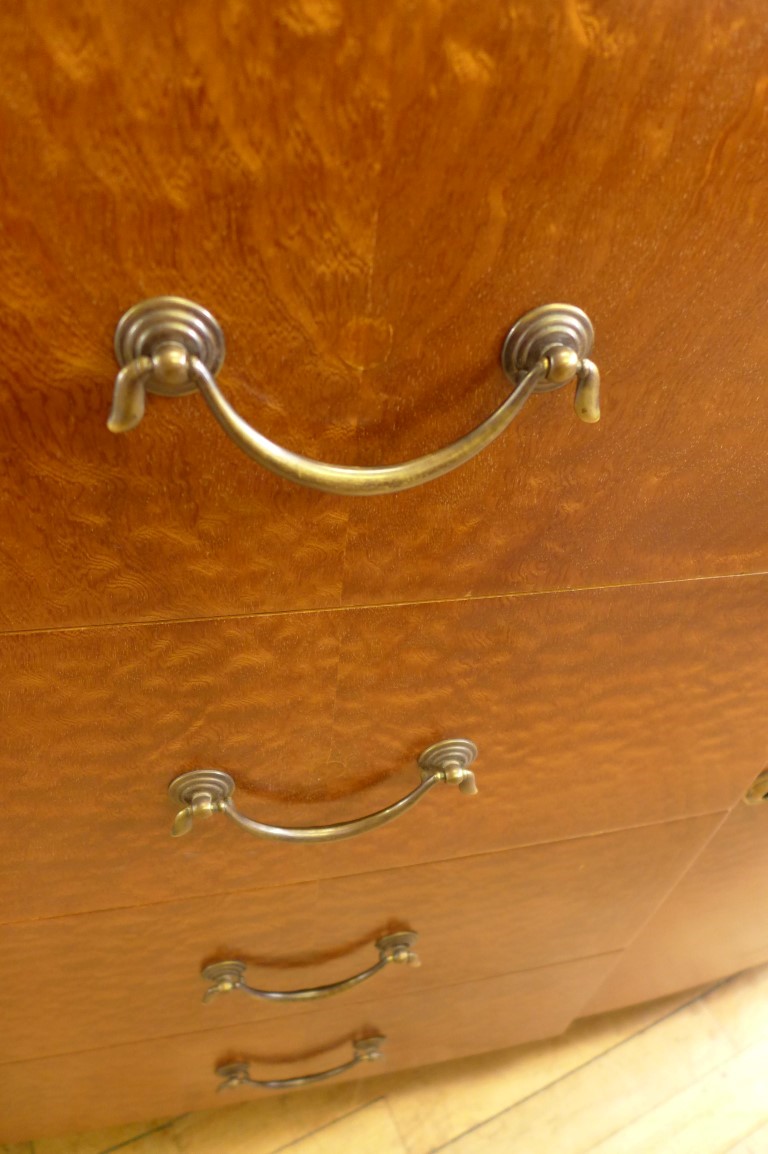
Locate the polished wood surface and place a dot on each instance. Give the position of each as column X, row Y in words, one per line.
column 592, row 711
column 174, row 1074
column 367, row 196
column 712, row 924
column 124, row 975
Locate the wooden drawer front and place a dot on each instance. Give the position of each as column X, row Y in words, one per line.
column 364, row 317
column 174, row 1074
column 712, row 925
column 76, row 983
column 592, row 711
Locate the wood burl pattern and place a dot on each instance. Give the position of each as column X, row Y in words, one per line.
column 593, row 711
column 175, row 1074
column 476, row 917
column 367, row 196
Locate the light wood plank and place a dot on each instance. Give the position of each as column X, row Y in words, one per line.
column 434, row 1105
column 262, row 1127
column 574, row 1114
column 154, row 1142
column 708, row 1116
column 741, row 1007
column 145, row 1138
column 754, row 1143
column 369, row 1129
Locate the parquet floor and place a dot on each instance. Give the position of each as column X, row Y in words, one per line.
column 686, row 1075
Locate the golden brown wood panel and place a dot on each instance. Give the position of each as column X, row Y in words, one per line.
column 175, row 1074
column 120, row 976
column 712, row 925
column 367, row 195
column 593, row 711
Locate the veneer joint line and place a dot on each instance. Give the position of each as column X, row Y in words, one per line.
column 381, row 1000
column 509, row 596
column 389, row 869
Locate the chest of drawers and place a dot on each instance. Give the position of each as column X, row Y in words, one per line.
column 367, row 199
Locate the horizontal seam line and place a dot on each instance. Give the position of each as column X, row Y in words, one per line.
column 364, row 1007
column 556, row 592
column 315, row 881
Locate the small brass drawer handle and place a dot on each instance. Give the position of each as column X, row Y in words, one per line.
column 236, row 1074
column 204, row 792
column 228, row 976
column 173, row 346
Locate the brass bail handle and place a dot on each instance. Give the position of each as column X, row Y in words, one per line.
column 172, row 346
column 229, row 977
column 236, row 1074
column 206, row 792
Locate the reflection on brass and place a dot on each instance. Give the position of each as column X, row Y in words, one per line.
column 173, row 346
column 758, row 791
column 236, row 1074
column 205, row 792
column 228, row 976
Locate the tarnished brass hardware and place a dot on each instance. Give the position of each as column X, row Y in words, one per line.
column 229, row 976
column 236, row 1074
column 758, row 791
column 173, row 346
column 154, row 342
column 561, row 336
column 204, row 792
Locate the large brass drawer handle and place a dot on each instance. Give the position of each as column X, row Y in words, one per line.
column 236, row 1074
column 173, row 346
column 227, row 977
column 204, row 792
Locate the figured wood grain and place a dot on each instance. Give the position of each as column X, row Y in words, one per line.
column 710, row 926
column 592, row 711
column 171, row 1075
column 367, row 196
column 121, row 976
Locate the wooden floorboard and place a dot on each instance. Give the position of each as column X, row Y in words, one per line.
column 685, row 1075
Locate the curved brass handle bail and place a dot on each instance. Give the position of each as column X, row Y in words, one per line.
column 236, row 1074
column 204, row 792
column 172, row 346
column 228, row 977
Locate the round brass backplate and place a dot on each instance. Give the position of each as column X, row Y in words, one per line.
column 404, row 938
column 232, row 1070
column 232, row 971
column 186, row 788
column 149, row 325
column 455, row 752
column 540, row 331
